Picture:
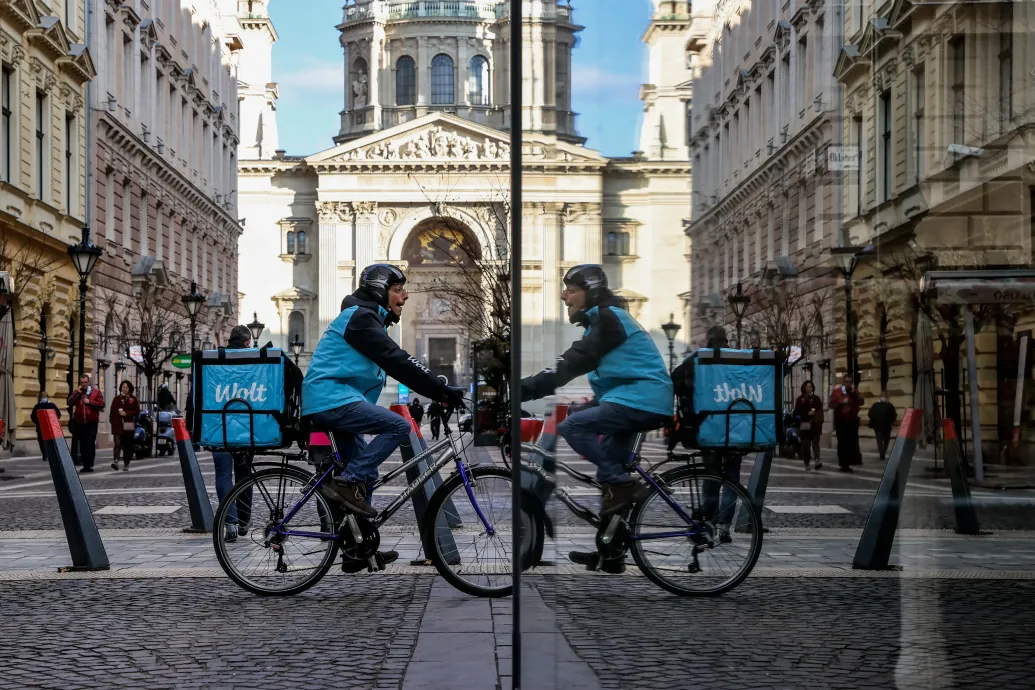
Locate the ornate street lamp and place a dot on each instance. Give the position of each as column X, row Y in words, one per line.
column 207, row 345
column 296, row 348
column 256, row 327
column 84, row 256
column 846, row 258
column 739, row 303
column 193, row 301
column 671, row 329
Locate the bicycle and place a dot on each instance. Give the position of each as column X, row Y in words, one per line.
column 688, row 507
column 468, row 517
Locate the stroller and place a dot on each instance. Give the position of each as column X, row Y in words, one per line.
column 143, row 436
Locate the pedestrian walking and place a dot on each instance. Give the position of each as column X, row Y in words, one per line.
column 86, row 404
column 417, row 411
column 43, row 403
column 846, row 402
column 166, row 400
column 882, row 417
column 435, row 416
column 122, row 416
column 808, row 413
column 234, row 466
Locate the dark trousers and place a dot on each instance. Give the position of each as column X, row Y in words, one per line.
column 810, row 448
column 124, row 447
column 435, row 424
column 84, row 438
column 73, row 447
column 847, row 442
column 720, row 509
column 883, row 439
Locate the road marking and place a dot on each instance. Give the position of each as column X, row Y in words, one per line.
column 809, row 510
column 136, row 510
column 89, row 476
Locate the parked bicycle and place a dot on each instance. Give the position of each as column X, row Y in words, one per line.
column 696, row 534
column 296, row 534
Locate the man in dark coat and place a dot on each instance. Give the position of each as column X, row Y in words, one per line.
column 882, row 418
column 416, row 410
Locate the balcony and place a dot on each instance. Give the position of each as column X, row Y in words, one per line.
column 393, row 10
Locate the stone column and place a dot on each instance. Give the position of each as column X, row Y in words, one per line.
column 373, row 88
column 331, row 215
column 423, row 71
column 462, row 71
column 367, row 234
column 553, row 318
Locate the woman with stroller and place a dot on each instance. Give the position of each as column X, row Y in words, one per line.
column 122, row 417
column 808, row 414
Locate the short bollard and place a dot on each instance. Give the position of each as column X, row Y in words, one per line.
column 878, row 534
column 410, row 449
column 966, row 518
column 756, row 488
column 84, row 539
column 197, row 495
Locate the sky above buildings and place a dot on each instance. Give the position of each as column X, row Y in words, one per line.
column 608, row 67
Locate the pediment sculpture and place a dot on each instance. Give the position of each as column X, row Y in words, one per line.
column 434, row 143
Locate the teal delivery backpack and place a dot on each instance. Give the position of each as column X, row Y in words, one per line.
column 245, row 399
column 729, row 399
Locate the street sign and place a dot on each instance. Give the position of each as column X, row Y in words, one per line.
column 989, row 287
column 404, row 394
column 843, row 158
column 136, row 353
column 181, row 361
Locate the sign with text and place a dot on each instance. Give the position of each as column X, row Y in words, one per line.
column 181, row 361
column 989, row 287
column 404, row 394
column 843, row 158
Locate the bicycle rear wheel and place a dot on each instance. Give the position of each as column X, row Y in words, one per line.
column 265, row 563
column 709, row 563
column 467, row 555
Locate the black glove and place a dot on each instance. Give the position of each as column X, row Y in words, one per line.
column 454, row 397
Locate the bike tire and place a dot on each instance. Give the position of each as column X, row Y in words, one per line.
column 219, row 533
column 431, row 544
column 754, row 518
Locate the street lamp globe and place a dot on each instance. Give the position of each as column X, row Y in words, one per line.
column 846, row 258
column 296, row 347
column 193, row 301
column 207, row 345
column 84, row 255
column 256, row 327
column 671, row 328
column 739, row 302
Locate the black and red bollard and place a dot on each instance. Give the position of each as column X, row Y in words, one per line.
column 84, row 539
column 197, row 495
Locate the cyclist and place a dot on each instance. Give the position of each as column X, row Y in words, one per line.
column 633, row 390
column 347, row 373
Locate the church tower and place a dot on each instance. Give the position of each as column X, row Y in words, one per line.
column 256, row 91
column 666, row 98
column 406, row 60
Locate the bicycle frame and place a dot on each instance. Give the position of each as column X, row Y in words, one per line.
column 452, row 453
column 588, row 515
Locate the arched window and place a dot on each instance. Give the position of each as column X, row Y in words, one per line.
column 478, row 81
column 290, row 242
column 443, row 91
column 612, row 244
column 405, row 81
column 301, row 242
column 296, row 326
column 617, row 244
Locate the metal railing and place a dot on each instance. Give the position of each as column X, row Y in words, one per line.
column 391, row 10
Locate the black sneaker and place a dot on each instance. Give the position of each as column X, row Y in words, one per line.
column 591, row 559
column 847, row 470
column 617, row 497
column 819, row 465
column 383, row 558
column 354, row 496
column 85, row 469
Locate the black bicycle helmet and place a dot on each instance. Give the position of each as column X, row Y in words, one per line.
column 592, row 279
column 377, row 279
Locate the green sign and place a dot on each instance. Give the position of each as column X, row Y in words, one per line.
column 181, row 361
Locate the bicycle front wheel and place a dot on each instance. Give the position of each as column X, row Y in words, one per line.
column 262, row 561
column 705, row 559
column 468, row 535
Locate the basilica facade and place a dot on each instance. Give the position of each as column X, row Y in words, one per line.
column 418, row 176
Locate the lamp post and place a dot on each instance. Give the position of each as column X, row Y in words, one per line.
column 256, row 327
column 739, row 303
column 192, row 301
column 671, row 329
column 84, row 256
column 207, row 345
column 846, row 258
column 296, row 348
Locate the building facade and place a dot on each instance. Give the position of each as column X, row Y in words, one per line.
column 164, row 182
column 765, row 199
column 43, row 125
column 421, row 168
column 939, row 106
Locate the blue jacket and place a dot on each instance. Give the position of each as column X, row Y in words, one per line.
column 623, row 363
column 354, row 356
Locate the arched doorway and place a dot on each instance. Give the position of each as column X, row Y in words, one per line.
column 444, row 280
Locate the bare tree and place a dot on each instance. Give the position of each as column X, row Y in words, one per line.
column 150, row 321
column 30, row 263
column 786, row 316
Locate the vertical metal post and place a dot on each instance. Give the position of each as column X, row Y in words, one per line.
column 82, row 329
column 516, row 122
column 851, row 327
column 975, row 410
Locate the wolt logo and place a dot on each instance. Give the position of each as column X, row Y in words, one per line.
column 256, row 393
column 724, row 393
